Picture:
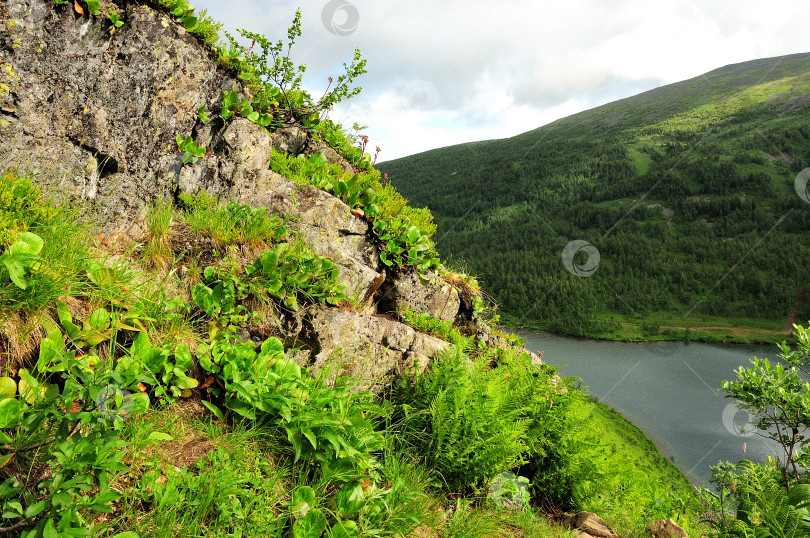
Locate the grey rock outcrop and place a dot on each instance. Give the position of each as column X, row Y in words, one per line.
column 94, row 117
column 94, row 113
column 436, row 297
column 368, row 347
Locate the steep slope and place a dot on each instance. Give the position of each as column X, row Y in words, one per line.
column 686, row 191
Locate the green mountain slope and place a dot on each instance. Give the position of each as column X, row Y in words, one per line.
column 687, row 191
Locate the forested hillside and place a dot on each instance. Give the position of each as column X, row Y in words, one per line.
column 686, row 191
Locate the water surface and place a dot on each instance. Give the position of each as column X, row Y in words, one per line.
column 669, row 390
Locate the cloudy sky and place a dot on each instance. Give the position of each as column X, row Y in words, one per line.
column 451, row 71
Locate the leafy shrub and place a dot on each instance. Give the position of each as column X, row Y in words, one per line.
column 190, row 152
column 77, row 419
column 779, row 397
column 471, row 421
column 275, row 79
column 289, row 274
column 764, row 507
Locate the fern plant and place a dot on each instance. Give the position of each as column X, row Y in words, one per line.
column 766, row 509
column 471, row 421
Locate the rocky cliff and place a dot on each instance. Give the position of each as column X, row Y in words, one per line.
column 95, row 115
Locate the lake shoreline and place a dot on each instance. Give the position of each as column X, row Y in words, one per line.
column 668, row 390
column 641, row 332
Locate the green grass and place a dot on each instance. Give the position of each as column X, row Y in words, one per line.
column 632, row 482
column 229, row 224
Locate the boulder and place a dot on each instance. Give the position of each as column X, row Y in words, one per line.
column 366, row 347
column 436, row 297
column 94, row 113
column 666, row 528
column 589, row 523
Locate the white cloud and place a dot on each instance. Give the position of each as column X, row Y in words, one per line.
column 456, row 71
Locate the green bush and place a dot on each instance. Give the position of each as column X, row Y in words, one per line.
column 472, row 421
column 401, row 232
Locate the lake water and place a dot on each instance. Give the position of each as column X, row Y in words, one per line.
column 669, row 390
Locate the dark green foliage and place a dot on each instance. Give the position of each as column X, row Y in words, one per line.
column 402, row 233
column 779, row 398
column 190, row 151
column 471, row 421
column 721, row 152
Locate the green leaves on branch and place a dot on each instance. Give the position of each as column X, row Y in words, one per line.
column 231, row 106
column 191, row 152
column 330, row 426
column 276, row 81
column 402, row 244
column 778, row 397
column 287, row 274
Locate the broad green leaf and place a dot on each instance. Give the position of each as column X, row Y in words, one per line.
column 35, row 509
column 16, row 271
column 214, row 409
column 350, row 498
column 184, row 382
column 345, row 529
column 6, row 459
column 8, row 387
column 189, row 22
column 413, row 234
column 182, row 357
column 311, row 525
column 49, row 531
column 272, row 347
column 27, row 243
column 302, row 500
column 140, row 403
column 160, row 436
column 94, row 6
column 100, row 319
column 318, row 160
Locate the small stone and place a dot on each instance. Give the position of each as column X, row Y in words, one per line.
column 666, row 528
